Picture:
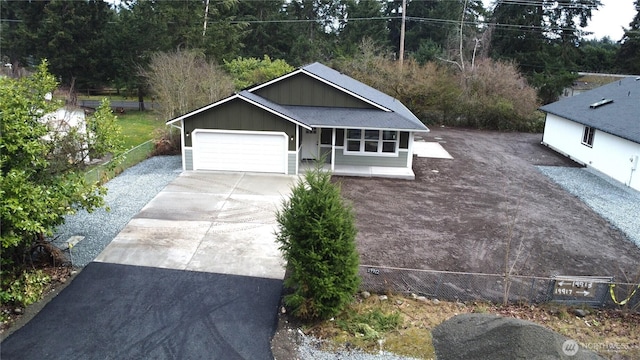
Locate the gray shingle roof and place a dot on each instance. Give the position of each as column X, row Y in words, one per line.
column 352, row 85
column 620, row 118
column 353, row 118
column 282, row 110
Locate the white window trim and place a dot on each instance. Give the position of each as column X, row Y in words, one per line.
column 585, row 131
column 380, row 141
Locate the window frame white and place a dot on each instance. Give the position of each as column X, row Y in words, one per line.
column 363, row 141
column 588, row 133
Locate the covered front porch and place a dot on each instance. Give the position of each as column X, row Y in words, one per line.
column 361, row 171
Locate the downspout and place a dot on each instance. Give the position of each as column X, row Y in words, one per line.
column 634, row 167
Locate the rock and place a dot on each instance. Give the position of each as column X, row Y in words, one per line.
column 435, row 301
column 283, row 310
column 365, row 294
column 487, row 336
column 422, row 298
column 414, row 296
column 399, row 302
column 18, row 311
column 581, row 312
column 383, row 297
column 554, row 311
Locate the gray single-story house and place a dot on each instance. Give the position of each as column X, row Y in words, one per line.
column 312, row 113
column 600, row 129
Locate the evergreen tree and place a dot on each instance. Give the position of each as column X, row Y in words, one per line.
column 317, row 236
column 18, row 39
column 314, row 27
column 629, row 55
column 542, row 36
column 354, row 31
column 265, row 33
column 597, row 55
column 433, row 23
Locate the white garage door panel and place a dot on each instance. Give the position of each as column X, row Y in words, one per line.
column 240, row 151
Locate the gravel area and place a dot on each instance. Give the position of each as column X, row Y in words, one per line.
column 128, row 193
column 311, row 348
column 618, row 204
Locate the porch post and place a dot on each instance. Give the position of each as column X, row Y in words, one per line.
column 333, row 149
column 410, row 150
column 297, row 141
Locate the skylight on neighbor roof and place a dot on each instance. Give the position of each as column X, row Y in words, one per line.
column 601, row 103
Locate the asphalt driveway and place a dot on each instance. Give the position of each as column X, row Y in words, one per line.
column 195, row 275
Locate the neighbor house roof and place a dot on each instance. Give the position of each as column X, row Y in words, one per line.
column 390, row 113
column 620, row 117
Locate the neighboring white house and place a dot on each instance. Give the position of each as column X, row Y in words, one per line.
column 600, row 129
column 62, row 121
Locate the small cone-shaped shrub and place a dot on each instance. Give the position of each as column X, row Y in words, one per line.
column 317, row 236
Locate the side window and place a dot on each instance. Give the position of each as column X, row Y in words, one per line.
column 587, row 136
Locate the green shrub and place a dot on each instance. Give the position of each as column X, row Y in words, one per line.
column 369, row 324
column 26, row 289
column 317, row 236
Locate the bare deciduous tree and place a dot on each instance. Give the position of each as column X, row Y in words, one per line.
column 184, row 80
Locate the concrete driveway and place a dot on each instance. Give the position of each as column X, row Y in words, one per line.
column 207, row 221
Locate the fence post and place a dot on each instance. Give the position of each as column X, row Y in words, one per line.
column 532, row 290
column 437, row 292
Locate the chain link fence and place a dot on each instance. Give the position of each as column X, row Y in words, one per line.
column 461, row 286
column 103, row 173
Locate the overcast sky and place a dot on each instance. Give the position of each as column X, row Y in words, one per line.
column 609, row 20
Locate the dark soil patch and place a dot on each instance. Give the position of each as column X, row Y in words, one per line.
column 457, row 214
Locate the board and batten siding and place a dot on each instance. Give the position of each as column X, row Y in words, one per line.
column 303, row 90
column 239, row 115
column 610, row 155
column 367, row 160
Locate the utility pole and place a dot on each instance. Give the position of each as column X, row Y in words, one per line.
column 206, row 12
column 402, row 28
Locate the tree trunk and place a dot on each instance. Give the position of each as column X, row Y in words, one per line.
column 140, row 99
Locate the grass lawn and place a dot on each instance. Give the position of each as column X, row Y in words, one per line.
column 138, row 127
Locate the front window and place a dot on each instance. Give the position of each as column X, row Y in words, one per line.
column 371, row 141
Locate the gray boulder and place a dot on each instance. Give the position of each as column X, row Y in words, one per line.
column 486, row 336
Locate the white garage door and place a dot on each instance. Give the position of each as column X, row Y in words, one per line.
column 239, row 151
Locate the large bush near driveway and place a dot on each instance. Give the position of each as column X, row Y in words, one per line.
column 317, row 236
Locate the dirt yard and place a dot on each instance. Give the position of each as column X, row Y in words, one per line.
column 459, row 214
